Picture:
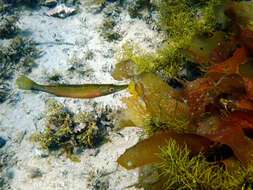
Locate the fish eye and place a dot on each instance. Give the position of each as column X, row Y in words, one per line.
column 111, row 90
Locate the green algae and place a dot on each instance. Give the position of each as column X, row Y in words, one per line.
column 66, row 130
column 194, row 172
column 199, row 19
column 186, row 172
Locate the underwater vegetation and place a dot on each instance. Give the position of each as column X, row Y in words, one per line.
column 108, row 28
column 135, row 7
column 98, row 180
column 66, row 131
column 17, row 55
column 8, row 26
column 201, row 19
column 199, row 135
column 7, row 160
column 8, row 20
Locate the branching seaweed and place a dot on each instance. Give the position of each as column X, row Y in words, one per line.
column 65, row 130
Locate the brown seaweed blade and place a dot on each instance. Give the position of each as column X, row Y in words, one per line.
column 146, row 151
column 236, row 132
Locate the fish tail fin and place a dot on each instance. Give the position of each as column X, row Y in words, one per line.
column 25, row 83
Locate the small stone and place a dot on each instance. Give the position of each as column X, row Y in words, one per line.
column 35, row 172
column 65, row 172
column 93, row 152
column 50, row 3
column 2, row 142
column 2, row 181
column 70, row 2
column 40, row 153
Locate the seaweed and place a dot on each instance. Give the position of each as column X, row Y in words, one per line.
column 135, row 8
column 11, row 55
column 97, row 180
column 108, row 28
column 140, row 155
column 64, row 130
column 17, row 55
column 217, row 106
column 201, row 21
column 8, row 27
column 154, row 106
column 184, row 171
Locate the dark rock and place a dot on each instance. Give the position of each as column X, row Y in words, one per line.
column 2, row 142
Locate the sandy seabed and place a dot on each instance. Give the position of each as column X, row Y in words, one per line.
column 19, row 120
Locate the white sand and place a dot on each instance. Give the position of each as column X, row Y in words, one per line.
column 25, row 115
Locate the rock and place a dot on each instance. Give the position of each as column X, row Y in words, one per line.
column 2, row 142
column 40, row 153
column 34, row 173
column 61, row 11
column 50, row 3
column 70, row 2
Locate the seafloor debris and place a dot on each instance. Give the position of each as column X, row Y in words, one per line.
column 2, row 142
column 35, row 172
column 61, row 11
column 7, row 161
column 49, row 3
column 97, row 179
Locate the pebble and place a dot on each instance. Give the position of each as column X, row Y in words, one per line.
column 2, row 142
column 40, row 153
column 34, row 173
column 50, row 3
column 93, row 152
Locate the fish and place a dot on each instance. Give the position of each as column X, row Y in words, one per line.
column 70, row 90
column 246, row 69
